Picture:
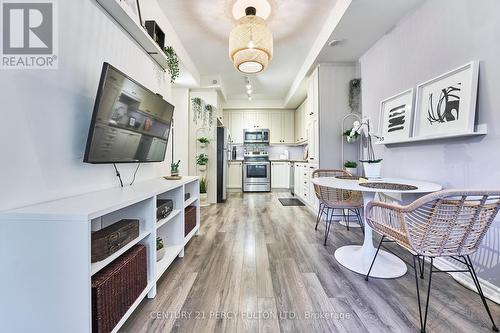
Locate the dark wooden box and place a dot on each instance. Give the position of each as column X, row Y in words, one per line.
column 156, row 33
column 112, row 238
column 116, row 287
column 189, row 219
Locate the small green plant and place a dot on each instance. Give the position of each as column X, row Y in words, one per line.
column 203, row 140
column 172, row 63
column 350, row 164
column 202, row 159
column 348, row 134
column 174, row 166
column 159, row 244
column 203, row 184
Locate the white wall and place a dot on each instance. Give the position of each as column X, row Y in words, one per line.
column 180, row 98
column 438, row 37
column 46, row 114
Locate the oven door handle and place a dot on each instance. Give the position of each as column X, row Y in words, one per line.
column 257, row 163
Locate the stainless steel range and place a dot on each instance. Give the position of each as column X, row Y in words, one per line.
column 256, row 168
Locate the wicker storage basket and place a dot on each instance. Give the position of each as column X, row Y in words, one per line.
column 189, row 219
column 116, row 287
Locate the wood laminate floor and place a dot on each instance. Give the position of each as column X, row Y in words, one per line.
column 260, row 267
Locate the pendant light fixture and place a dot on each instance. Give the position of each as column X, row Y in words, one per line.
column 251, row 43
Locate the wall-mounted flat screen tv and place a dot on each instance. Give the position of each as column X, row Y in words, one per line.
column 130, row 123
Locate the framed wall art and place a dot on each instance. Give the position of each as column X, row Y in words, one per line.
column 396, row 115
column 446, row 104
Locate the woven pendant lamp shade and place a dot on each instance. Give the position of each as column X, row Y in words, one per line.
column 251, row 45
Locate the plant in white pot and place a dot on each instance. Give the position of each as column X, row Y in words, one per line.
column 371, row 165
column 160, row 249
column 351, row 167
column 201, row 161
column 203, row 142
column 203, row 189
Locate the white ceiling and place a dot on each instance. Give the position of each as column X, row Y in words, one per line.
column 204, row 26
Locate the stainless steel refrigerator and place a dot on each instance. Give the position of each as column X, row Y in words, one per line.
column 223, row 157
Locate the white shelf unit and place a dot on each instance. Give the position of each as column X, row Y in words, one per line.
column 478, row 131
column 60, row 268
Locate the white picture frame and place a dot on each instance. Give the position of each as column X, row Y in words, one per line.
column 446, row 105
column 396, row 116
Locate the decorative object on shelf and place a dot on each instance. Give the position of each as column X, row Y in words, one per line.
column 371, row 165
column 174, row 168
column 110, row 239
column 116, row 287
column 447, row 103
column 163, row 208
column 396, row 114
column 172, row 63
column 354, row 95
column 189, row 219
column 203, row 189
column 201, row 161
column 155, row 32
column 160, row 249
column 351, row 138
column 187, row 196
column 251, row 43
column 351, row 167
column 203, row 142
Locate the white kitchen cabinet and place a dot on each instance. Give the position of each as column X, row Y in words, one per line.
column 276, row 127
column 313, row 138
column 237, row 126
column 312, row 199
column 288, row 128
column 297, row 181
column 282, row 127
column 300, row 123
column 234, row 175
column 280, row 174
column 262, row 119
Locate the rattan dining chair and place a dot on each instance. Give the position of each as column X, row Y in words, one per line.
column 332, row 200
column 448, row 223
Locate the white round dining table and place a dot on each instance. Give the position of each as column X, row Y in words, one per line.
column 358, row 258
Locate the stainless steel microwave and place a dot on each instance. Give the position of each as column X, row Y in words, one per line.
column 256, row 136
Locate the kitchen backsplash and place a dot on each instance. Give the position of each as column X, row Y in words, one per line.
column 296, row 152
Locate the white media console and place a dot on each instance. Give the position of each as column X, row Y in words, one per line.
column 45, row 282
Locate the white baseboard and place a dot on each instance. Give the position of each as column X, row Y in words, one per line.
column 490, row 291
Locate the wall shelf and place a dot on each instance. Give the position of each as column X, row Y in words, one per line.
column 135, row 30
column 478, row 131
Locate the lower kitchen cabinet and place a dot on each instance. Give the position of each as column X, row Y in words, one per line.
column 235, row 175
column 303, row 186
column 280, row 174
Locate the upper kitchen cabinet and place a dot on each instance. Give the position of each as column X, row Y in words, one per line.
column 300, row 123
column 256, row 120
column 235, row 123
column 282, row 127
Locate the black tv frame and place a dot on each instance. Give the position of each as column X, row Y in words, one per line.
column 105, row 67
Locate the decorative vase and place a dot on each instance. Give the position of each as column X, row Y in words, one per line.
column 203, row 145
column 174, row 173
column 202, row 167
column 203, row 197
column 160, row 254
column 352, row 171
column 372, row 170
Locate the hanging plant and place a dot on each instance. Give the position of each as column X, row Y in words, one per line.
column 197, row 105
column 354, row 94
column 209, row 112
column 172, row 63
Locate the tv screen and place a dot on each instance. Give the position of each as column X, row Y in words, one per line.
column 130, row 123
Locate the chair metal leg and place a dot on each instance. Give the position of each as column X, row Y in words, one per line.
column 421, row 266
column 320, row 214
column 375, row 257
column 346, row 220
column 328, row 222
column 423, row 317
column 472, row 271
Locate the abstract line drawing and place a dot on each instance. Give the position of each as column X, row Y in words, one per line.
column 447, row 108
column 397, row 118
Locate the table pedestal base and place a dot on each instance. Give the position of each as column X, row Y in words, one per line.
column 387, row 265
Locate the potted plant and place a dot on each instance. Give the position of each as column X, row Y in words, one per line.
column 349, row 138
column 201, row 161
column 160, row 249
column 203, row 189
column 172, row 63
column 203, row 142
column 351, row 167
column 174, row 168
column 371, row 165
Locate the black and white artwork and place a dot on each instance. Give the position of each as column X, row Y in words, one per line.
column 446, row 104
column 396, row 116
